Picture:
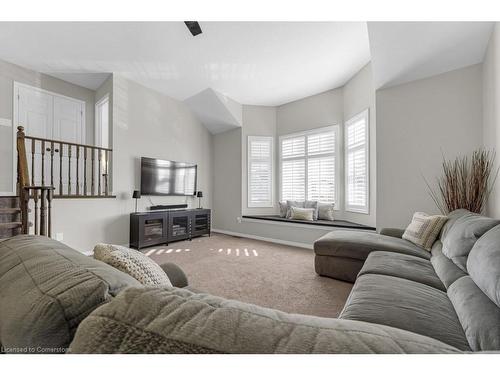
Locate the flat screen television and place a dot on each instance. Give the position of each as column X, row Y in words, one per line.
column 166, row 177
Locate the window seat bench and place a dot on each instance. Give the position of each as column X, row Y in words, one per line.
column 325, row 223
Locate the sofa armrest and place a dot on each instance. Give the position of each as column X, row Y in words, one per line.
column 392, row 232
column 176, row 275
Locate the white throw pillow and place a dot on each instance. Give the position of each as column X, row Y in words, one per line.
column 297, row 213
column 133, row 263
column 325, row 211
column 290, row 204
column 424, row 229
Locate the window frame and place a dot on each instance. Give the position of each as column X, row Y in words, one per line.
column 337, row 154
column 365, row 114
column 250, row 139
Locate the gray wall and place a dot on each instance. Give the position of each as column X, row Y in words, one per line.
column 10, row 73
column 417, row 123
column 257, row 121
column 359, row 94
column 146, row 123
column 491, row 111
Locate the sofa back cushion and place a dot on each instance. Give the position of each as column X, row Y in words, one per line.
column 459, row 239
column 484, row 264
column 478, row 315
column 47, row 289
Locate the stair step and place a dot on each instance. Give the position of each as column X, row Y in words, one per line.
column 11, row 225
column 9, row 202
column 9, row 210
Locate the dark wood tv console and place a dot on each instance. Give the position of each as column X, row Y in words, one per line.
column 162, row 227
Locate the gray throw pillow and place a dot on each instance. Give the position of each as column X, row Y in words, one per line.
column 283, row 209
column 325, row 211
column 290, row 204
column 461, row 237
column 315, row 206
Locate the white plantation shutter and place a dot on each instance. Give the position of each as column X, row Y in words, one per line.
column 356, row 159
column 308, row 165
column 260, row 171
column 293, row 177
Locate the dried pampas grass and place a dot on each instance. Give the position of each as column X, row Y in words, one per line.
column 465, row 183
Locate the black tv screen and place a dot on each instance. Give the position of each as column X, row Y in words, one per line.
column 165, row 177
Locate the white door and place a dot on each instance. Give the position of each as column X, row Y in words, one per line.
column 68, row 127
column 51, row 116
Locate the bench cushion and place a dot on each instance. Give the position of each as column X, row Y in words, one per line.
column 403, row 266
column 358, row 244
column 405, row 304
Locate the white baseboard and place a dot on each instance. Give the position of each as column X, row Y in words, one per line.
column 273, row 240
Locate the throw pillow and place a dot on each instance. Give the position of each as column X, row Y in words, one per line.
column 132, row 262
column 297, row 213
column 283, row 209
column 325, row 211
column 290, row 204
column 424, row 229
column 315, row 206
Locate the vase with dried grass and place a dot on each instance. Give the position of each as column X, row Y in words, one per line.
column 466, row 182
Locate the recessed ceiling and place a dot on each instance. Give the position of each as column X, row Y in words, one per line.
column 262, row 63
column 406, row 51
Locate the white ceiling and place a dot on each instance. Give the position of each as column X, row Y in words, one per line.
column 264, row 63
column 405, row 51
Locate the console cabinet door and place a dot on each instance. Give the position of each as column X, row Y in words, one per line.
column 200, row 222
column 179, row 226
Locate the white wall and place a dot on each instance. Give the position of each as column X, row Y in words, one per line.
column 491, row 111
column 146, row 123
column 417, row 123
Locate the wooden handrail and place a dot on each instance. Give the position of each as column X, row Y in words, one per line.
column 66, row 143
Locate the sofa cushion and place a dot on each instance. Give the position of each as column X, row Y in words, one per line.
column 479, row 316
column 447, row 271
column 484, row 264
column 358, row 244
column 405, row 304
column 170, row 320
column 460, row 238
column 402, row 265
column 452, row 219
column 47, row 289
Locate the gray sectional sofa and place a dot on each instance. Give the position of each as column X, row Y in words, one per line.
column 451, row 293
column 54, row 299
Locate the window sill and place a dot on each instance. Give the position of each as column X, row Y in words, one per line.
column 322, row 224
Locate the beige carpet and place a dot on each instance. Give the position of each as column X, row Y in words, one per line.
column 258, row 272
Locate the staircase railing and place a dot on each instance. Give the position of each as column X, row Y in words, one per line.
column 57, row 169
